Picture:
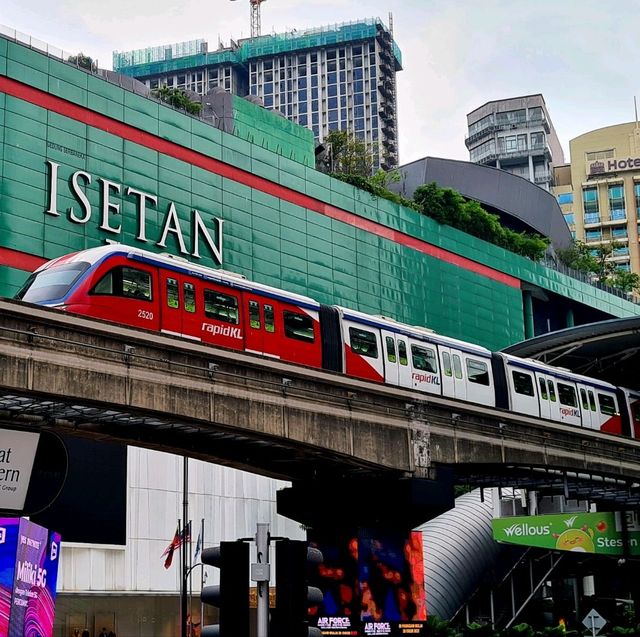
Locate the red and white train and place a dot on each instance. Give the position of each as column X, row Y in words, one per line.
column 167, row 294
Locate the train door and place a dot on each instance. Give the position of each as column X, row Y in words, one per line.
column 260, row 326
column 170, row 303
column 425, row 375
column 479, row 377
column 631, row 402
column 568, row 402
column 404, row 369
column 544, row 398
column 589, row 415
column 391, row 363
column 523, row 394
column 452, row 377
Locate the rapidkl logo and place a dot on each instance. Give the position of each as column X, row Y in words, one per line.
column 566, row 411
column 429, row 379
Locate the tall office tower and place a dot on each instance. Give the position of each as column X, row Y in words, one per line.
column 340, row 77
column 516, row 135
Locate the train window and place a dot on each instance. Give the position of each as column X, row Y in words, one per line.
column 298, row 326
column 128, row 282
column 269, row 319
column 424, row 359
column 567, row 395
column 254, row 315
column 173, row 295
column 391, row 349
column 543, row 389
column 635, row 411
column 52, row 283
column 607, row 405
column 583, row 399
column 552, row 391
column 477, row 372
column 363, row 342
column 221, row 307
column 402, row 353
column 522, row 383
column 457, row 366
column 592, row 401
column 446, row 364
column 189, row 291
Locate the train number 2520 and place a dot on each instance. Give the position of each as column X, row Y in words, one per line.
column 145, row 314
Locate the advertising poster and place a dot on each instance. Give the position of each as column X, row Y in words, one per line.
column 599, row 533
column 29, row 559
column 372, row 584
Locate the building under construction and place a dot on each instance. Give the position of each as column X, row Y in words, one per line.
column 340, row 77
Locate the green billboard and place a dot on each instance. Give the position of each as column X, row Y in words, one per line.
column 601, row 533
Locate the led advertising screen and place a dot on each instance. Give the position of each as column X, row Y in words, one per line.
column 372, row 583
column 29, row 556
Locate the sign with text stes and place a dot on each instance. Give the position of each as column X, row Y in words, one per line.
column 601, row 533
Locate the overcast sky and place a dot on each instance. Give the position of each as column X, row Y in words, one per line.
column 582, row 55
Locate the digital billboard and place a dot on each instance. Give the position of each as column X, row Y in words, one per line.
column 29, row 556
column 372, row 583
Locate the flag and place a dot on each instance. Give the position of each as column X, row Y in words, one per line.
column 198, row 547
column 176, row 543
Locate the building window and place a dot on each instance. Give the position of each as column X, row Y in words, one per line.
column 570, row 219
column 600, row 154
column 593, row 235
column 619, row 233
column 590, row 200
column 565, row 198
column 616, row 201
column 537, row 141
column 591, row 217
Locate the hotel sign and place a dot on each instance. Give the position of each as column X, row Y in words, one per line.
column 604, row 166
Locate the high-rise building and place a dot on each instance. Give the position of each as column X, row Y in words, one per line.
column 516, row 135
column 599, row 192
column 340, row 77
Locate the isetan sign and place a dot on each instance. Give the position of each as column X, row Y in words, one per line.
column 603, row 166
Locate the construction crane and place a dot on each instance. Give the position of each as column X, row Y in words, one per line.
column 255, row 16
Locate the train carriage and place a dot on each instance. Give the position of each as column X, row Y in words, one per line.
column 171, row 295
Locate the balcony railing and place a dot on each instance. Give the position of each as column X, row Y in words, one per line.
column 492, row 127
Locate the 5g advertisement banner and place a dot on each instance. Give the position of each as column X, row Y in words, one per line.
column 372, row 584
column 29, row 556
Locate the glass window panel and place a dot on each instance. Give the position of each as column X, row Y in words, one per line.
column 402, row 352
column 298, row 326
column 254, row 315
column 522, row 383
column 424, row 358
column 477, row 372
column 173, row 295
column 221, row 307
column 189, row 295
column 363, row 342
column 391, row 349
column 567, row 395
column 269, row 319
column 607, row 405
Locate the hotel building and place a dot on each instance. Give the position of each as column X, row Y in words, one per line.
column 599, row 192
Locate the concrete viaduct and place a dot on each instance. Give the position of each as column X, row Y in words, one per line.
column 322, row 431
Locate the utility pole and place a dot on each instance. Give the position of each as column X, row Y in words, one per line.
column 260, row 573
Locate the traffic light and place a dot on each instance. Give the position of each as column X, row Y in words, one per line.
column 232, row 595
column 293, row 595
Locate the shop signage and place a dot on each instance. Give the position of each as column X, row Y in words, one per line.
column 603, row 166
column 17, row 453
column 600, row 533
column 108, row 214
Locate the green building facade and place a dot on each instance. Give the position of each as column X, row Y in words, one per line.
column 84, row 161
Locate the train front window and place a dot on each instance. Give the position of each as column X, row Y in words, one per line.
column 51, row 284
column 221, row 307
column 127, row 282
column 363, row 342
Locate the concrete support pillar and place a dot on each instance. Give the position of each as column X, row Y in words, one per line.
column 527, row 303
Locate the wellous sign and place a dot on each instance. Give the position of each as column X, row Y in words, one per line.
column 601, row 533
